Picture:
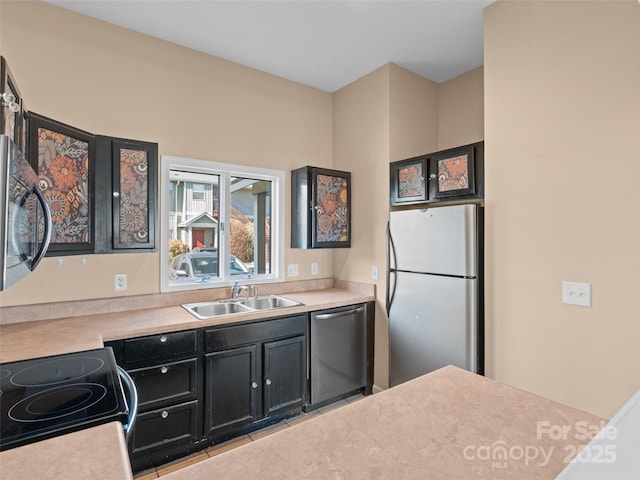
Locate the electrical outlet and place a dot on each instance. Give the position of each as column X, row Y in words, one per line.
column 374, row 273
column 120, row 282
column 314, row 268
column 292, row 270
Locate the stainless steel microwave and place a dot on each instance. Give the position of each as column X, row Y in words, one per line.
column 25, row 219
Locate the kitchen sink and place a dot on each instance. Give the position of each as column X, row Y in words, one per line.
column 269, row 302
column 219, row 308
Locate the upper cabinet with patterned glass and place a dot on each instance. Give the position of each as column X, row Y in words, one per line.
column 452, row 175
column 129, row 206
column 321, row 208
column 63, row 157
column 409, row 181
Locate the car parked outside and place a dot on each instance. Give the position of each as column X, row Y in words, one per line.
column 202, row 266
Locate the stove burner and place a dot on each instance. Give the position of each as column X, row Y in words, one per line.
column 57, row 402
column 57, row 371
column 4, row 374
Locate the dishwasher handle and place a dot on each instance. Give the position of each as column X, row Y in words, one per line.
column 344, row 313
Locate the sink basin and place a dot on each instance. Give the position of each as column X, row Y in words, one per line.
column 220, row 308
column 216, row 309
column 269, row 302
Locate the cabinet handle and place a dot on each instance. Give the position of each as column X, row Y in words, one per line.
column 254, row 384
column 165, row 414
column 164, row 370
column 163, row 339
column 116, row 194
column 268, row 381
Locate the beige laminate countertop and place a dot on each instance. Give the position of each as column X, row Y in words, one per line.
column 99, row 453
column 19, row 341
column 449, row 424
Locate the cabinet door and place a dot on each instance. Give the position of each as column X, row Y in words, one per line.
column 135, row 167
column 408, row 181
column 63, row 157
column 126, row 216
column 321, row 208
column 232, row 389
column 284, row 374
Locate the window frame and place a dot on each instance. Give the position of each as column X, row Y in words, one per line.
column 225, row 171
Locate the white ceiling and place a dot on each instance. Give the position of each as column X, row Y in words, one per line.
column 324, row 44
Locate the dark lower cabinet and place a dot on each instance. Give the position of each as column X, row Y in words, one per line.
column 163, row 434
column 255, row 374
column 232, row 390
column 167, row 372
column 284, row 374
column 204, row 386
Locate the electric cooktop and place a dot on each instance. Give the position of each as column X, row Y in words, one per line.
column 49, row 396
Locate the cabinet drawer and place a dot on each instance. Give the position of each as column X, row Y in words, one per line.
column 166, row 383
column 220, row 338
column 164, row 346
column 165, row 428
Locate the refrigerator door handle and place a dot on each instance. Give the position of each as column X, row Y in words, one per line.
column 390, row 251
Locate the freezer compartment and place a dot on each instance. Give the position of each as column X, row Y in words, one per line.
column 441, row 240
column 433, row 322
column 338, row 352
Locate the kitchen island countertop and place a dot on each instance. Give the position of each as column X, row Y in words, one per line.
column 449, row 424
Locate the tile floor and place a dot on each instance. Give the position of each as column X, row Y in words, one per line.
column 236, row 442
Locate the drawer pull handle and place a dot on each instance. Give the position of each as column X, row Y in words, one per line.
column 165, row 414
column 268, row 381
column 254, row 384
column 164, row 370
column 163, row 339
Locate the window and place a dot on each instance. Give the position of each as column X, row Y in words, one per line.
column 221, row 223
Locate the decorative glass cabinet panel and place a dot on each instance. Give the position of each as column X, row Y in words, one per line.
column 134, row 194
column 408, row 181
column 321, row 208
column 63, row 157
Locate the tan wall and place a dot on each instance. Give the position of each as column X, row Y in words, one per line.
column 461, row 110
column 389, row 115
column 562, row 103
column 112, row 81
column 361, row 146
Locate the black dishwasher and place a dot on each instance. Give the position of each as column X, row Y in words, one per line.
column 339, row 353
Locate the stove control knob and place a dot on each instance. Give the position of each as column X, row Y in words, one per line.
column 163, row 339
column 164, row 370
column 165, row 414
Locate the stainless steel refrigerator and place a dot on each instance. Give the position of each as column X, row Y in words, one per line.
column 435, row 290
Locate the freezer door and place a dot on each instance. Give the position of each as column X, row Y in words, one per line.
column 433, row 322
column 435, row 240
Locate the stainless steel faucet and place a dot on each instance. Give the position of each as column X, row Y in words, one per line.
column 236, row 289
column 254, row 291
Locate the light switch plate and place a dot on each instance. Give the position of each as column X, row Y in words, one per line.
column 374, row 273
column 292, row 270
column 574, row 293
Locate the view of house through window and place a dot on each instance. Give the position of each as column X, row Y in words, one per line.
column 214, row 215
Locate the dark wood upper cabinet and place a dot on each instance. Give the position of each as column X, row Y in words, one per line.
column 452, row 175
column 320, row 208
column 63, row 157
column 409, row 181
column 128, row 196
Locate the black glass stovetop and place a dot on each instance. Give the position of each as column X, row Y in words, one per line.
column 44, row 397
